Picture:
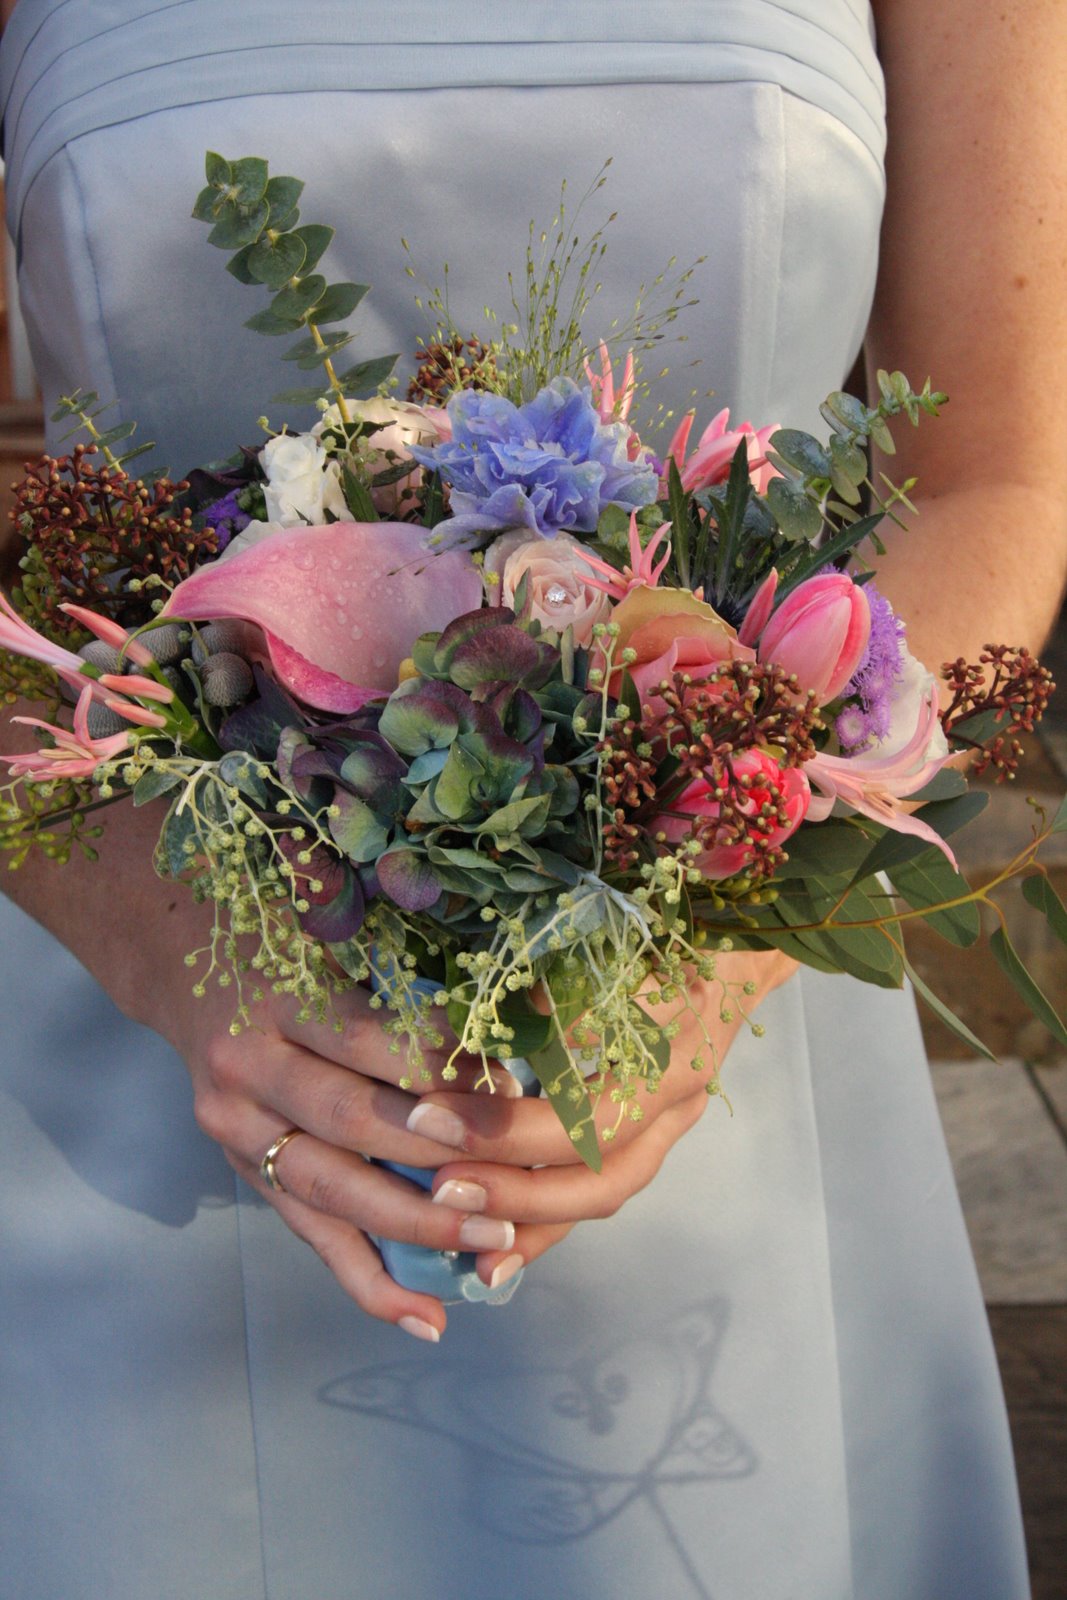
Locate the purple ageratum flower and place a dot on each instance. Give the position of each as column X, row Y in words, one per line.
column 549, row 465
column 871, row 686
column 227, row 518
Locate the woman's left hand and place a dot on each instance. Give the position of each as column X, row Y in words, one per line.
column 518, row 1162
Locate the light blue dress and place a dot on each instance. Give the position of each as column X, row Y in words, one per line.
column 770, row 1374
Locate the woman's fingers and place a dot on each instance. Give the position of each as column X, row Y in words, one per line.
column 354, row 1262
column 565, row 1194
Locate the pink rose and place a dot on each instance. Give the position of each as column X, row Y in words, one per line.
column 561, row 590
column 763, row 784
column 671, row 631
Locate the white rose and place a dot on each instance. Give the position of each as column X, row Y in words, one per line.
column 303, row 482
column 910, row 693
column 252, row 533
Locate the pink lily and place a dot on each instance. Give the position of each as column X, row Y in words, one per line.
column 643, row 571
column 75, row 754
column 612, row 408
column 715, row 449
column 339, row 605
column 877, row 784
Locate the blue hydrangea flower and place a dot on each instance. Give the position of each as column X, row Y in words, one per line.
column 548, row 465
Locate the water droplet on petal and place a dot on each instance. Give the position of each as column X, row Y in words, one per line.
column 356, row 632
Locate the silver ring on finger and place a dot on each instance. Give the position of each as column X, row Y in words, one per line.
column 268, row 1170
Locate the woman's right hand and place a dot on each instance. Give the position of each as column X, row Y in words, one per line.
column 339, row 1086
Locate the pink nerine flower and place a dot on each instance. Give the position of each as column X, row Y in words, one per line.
column 612, row 405
column 715, row 449
column 766, row 790
column 643, row 572
column 879, row 779
column 820, row 633
column 75, row 754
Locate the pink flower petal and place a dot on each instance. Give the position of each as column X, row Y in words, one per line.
column 341, row 606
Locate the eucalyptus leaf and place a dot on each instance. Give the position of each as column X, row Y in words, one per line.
column 236, row 228
column 300, row 397
column 315, row 237
column 928, row 880
column 207, row 203
column 946, row 1014
column 274, row 261
column 845, row 413
column 798, row 517
column 363, row 380
column 1059, row 821
column 944, row 816
column 179, row 829
column 268, row 321
column 298, row 299
column 238, row 265
column 282, row 194
column 1007, row 958
column 217, row 170
column 311, row 353
column 944, row 785
column 339, row 302
column 1039, row 893
column 248, row 180
column 802, row 452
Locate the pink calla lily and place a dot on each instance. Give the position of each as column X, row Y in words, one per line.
column 340, row 606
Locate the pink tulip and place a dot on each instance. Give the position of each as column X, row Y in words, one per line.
column 820, row 633
column 764, row 781
column 340, row 606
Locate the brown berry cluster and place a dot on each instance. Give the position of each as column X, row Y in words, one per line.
column 90, row 529
column 695, row 730
column 1019, row 687
column 448, row 365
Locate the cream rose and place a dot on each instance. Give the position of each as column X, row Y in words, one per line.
column 561, row 591
column 398, row 425
column 303, row 482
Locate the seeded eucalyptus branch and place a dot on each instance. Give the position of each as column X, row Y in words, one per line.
column 256, row 216
column 86, row 406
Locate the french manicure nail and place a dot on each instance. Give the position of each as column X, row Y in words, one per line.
column 419, row 1329
column 434, row 1122
column 486, row 1233
column 503, row 1084
column 461, row 1195
column 507, row 1269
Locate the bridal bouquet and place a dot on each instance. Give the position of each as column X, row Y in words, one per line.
column 481, row 698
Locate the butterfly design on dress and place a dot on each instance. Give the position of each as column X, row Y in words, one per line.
column 613, row 1427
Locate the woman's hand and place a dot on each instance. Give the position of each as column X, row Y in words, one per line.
column 502, row 1140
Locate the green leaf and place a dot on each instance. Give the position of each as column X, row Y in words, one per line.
column 929, row 879
column 236, row 227
column 845, row 413
column 795, row 514
column 274, row 261
column 240, row 769
column 217, row 170
column 678, row 511
column 154, row 783
column 947, row 1015
column 315, row 237
column 297, row 300
column 357, row 497
column 268, row 321
column 248, row 179
column 568, row 1097
column 1042, row 1008
column 238, row 265
column 179, row 827
column 944, row 785
column 881, row 436
column 207, row 204
column 802, row 452
column 531, row 1029
column 825, row 849
column 1039, row 893
column 1059, row 821
column 300, row 397
column 282, row 195
column 339, row 302
column 121, row 430
column 361, row 381
column 309, row 353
